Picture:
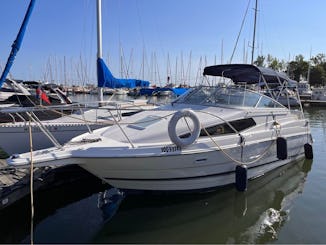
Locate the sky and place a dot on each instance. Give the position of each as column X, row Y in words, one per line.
column 153, row 39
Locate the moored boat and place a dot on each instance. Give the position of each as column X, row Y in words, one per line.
column 203, row 139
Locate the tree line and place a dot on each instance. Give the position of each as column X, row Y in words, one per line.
column 313, row 70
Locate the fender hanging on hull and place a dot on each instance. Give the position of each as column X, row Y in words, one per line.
column 281, row 148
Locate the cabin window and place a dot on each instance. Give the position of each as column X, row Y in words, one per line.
column 224, row 128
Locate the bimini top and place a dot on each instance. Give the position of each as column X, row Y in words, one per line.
column 246, row 73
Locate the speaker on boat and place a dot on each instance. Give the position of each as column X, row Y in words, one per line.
column 241, row 180
column 308, row 151
column 281, row 148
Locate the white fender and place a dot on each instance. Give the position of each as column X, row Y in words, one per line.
column 194, row 134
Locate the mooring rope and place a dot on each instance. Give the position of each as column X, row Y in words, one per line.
column 233, row 159
column 31, row 181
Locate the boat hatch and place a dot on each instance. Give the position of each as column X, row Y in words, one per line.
column 145, row 122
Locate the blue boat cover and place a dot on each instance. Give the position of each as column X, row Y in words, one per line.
column 106, row 79
column 179, row 91
column 17, row 43
column 152, row 91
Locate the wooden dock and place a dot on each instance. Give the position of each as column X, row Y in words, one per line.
column 15, row 183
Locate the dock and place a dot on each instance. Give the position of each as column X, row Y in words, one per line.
column 15, row 183
column 313, row 102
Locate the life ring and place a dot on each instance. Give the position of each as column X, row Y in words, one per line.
column 194, row 134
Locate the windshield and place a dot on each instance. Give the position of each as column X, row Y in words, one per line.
column 228, row 96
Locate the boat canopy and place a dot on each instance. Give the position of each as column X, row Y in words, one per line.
column 245, row 73
column 106, row 79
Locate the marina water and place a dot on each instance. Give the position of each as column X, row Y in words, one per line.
column 285, row 206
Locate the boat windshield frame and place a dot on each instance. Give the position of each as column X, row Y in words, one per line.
column 228, row 96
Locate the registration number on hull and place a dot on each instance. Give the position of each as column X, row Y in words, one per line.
column 170, row 148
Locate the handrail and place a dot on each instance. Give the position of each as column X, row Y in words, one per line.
column 44, row 130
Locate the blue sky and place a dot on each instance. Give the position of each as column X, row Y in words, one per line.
column 171, row 37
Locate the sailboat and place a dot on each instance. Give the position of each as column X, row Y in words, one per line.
column 85, row 117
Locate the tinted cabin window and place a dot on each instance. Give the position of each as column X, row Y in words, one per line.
column 224, row 128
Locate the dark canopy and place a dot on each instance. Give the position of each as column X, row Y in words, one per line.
column 246, row 73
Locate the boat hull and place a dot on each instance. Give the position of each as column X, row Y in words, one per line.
column 189, row 183
column 190, row 171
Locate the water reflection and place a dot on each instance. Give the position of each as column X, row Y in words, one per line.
column 15, row 219
column 222, row 216
column 317, row 116
column 69, row 214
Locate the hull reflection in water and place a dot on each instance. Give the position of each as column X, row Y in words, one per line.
column 222, row 216
column 54, row 211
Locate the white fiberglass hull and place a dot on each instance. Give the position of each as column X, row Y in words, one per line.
column 188, row 171
column 198, row 166
column 193, row 182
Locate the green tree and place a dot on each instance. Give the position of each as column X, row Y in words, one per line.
column 298, row 68
column 318, row 70
column 260, row 61
column 317, row 76
column 319, row 59
column 275, row 64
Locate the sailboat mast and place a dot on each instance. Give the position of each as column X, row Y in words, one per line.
column 17, row 43
column 254, row 36
column 99, row 42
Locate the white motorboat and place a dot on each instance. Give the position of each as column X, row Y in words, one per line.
column 210, row 136
column 46, row 133
column 304, row 89
column 319, row 94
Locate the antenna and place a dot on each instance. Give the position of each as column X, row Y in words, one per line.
column 254, row 36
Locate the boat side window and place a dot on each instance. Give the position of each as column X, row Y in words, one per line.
column 225, row 128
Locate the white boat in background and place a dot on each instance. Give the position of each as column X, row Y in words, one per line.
column 47, row 133
column 210, row 136
column 120, row 91
column 304, row 90
column 11, row 88
column 319, row 94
